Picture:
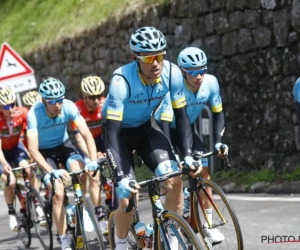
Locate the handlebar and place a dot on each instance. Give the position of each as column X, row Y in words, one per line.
column 18, row 168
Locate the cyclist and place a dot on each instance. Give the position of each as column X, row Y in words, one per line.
column 50, row 145
column 90, row 107
column 199, row 88
column 136, row 89
column 296, row 93
column 30, row 98
column 12, row 150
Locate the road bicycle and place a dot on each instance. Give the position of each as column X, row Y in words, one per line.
column 165, row 222
column 224, row 218
column 27, row 216
column 85, row 234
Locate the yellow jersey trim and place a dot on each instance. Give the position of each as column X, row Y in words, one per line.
column 179, row 103
column 114, row 115
column 166, row 117
column 158, row 80
column 217, row 109
column 33, row 131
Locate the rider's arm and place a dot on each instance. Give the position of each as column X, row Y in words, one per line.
column 179, row 106
column 33, row 143
column 81, row 144
column 164, row 115
column 88, row 139
column 217, row 109
column 296, row 93
column 118, row 92
column 2, row 157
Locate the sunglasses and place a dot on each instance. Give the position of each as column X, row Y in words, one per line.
column 54, row 101
column 150, row 59
column 94, row 97
column 196, row 71
column 8, row 106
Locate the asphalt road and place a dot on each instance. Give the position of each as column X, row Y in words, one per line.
column 264, row 220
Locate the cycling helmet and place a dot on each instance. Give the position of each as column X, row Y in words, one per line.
column 147, row 39
column 7, row 96
column 191, row 57
column 52, row 88
column 32, row 97
column 92, row 85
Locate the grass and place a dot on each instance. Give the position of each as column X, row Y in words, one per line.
column 249, row 178
column 27, row 25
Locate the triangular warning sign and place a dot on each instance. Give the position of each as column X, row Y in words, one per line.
column 11, row 64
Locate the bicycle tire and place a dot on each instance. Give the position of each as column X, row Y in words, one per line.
column 87, row 206
column 232, row 240
column 131, row 239
column 185, row 232
column 23, row 220
column 36, row 221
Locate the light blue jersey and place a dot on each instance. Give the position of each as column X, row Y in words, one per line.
column 131, row 101
column 296, row 90
column 209, row 91
column 51, row 132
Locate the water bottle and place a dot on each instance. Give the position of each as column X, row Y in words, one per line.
column 73, row 216
column 186, row 203
column 149, row 236
column 140, row 232
column 69, row 208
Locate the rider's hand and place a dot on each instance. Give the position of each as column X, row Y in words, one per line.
column 220, row 154
column 91, row 166
column 189, row 162
column 60, row 173
column 125, row 190
column 6, row 169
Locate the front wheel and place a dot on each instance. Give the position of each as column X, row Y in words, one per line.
column 40, row 219
column 90, row 230
column 131, row 239
column 224, row 219
column 175, row 229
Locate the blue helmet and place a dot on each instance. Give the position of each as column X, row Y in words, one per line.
column 52, row 88
column 147, row 39
column 191, row 57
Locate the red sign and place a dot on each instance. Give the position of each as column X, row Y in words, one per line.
column 11, row 64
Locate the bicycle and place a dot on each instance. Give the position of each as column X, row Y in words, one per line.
column 28, row 217
column 224, row 219
column 86, row 232
column 164, row 221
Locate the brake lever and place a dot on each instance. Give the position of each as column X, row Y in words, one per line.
column 132, row 201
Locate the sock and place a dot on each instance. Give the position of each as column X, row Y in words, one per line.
column 121, row 244
column 209, row 214
column 64, row 241
column 11, row 209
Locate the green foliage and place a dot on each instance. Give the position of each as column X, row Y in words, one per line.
column 142, row 173
column 292, row 176
column 267, row 175
column 27, row 25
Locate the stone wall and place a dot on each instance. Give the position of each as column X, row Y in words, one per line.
column 253, row 47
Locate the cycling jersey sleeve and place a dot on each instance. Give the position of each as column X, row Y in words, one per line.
column 219, row 124
column 178, row 103
column 118, row 93
column 31, row 123
column 73, row 113
column 215, row 98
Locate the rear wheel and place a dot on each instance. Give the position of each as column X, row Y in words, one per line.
column 224, row 218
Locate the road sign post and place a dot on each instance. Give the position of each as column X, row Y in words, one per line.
column 15, row 73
